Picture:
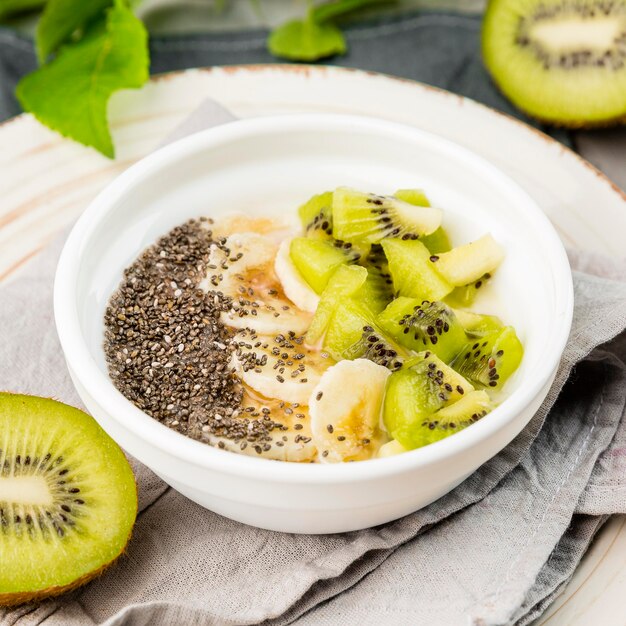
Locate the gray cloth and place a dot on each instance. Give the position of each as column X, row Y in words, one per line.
column 495, row 550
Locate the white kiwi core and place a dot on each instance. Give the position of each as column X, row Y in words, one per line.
column 27, row 490
column 575, row 32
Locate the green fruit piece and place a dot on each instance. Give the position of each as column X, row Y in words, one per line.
column 423, row 325
column 375, row 293
column 477, row 324
column 452, row 418
column 316, row 215
column 342, row 284
column 317, row 259
column 437, row 241
column 466, row 295
column 470, row 262
column 369, row 218
column 353, row 334
column 423, row 386
column 491, row 359
column 412, row 271
column 68, row 499
column 559, row 61
column 413, row 196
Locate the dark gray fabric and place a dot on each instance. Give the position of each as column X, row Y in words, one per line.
column 440, row 49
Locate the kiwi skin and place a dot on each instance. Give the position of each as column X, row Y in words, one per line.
column 51, row 407
column 500, row 16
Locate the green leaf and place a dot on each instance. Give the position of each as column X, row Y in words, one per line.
column 331, row 10
column 61, row 19
column 13, row 7
column 306, row 41
column 70, row 94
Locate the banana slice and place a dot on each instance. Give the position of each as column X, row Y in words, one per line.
column 294, row 286
column 278, row 366
column 243, row 268
column 289, row 440
column 345, row 410
column 275, row 228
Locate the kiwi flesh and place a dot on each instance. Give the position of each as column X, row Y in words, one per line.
column 316, row 215
column 437, row 241
column 413, row 272
column 342, row 284
column 68, row 499
column 423, row 325
column 470, row 262
column 369, row 218
column 423, row 386
column 465, row 296
column 317, row 259
column 560, row 61
column 490, row 360
column 353, row 333
column 378, row 291
column 478, row 324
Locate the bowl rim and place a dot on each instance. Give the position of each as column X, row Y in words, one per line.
column 101, row 389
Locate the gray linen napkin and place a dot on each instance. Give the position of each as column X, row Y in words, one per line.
column 493, row 551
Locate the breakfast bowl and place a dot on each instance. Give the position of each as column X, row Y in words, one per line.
column 265, row 167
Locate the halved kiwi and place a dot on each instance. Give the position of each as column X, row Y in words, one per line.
column 561, row 61
column 68, row 499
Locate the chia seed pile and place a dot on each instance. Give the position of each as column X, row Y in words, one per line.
column 167, row 351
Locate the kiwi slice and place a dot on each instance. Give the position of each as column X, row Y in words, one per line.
column 437, row 241
column 317, row 259
column 316, row 215
column 470, row 262
column 423, row 325
column 477, row 324
column 342, row 284
column 413, row 272
column 561, row 61
column 423, row 386
column 370, row 218
column 68, row 499
column 491, row 359
column 353, row 333
column 378, row 291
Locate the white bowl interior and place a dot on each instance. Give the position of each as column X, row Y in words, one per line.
column 266, row 167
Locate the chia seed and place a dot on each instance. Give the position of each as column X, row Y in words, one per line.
column 166, row 349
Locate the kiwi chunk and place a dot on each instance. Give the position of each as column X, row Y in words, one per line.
column 318, row 259
column 370, row 218
column 477, row 324
column 437, row 241
column 561, row 61
column 316, row 215
column 466, row 295
column 470, row 262
column 413, row 272
column 378, row 291
column 491, row 359
column 423, row 325
column 68, row 499
column 423, row 386
column 342, row 284
column 353, row 333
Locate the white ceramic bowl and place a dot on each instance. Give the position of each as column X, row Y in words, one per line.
column 275, row 163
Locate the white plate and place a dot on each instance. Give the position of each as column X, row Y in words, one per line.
column 45, row 182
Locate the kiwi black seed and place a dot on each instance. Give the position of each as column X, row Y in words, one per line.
column 562, row 61
column 68, row 499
